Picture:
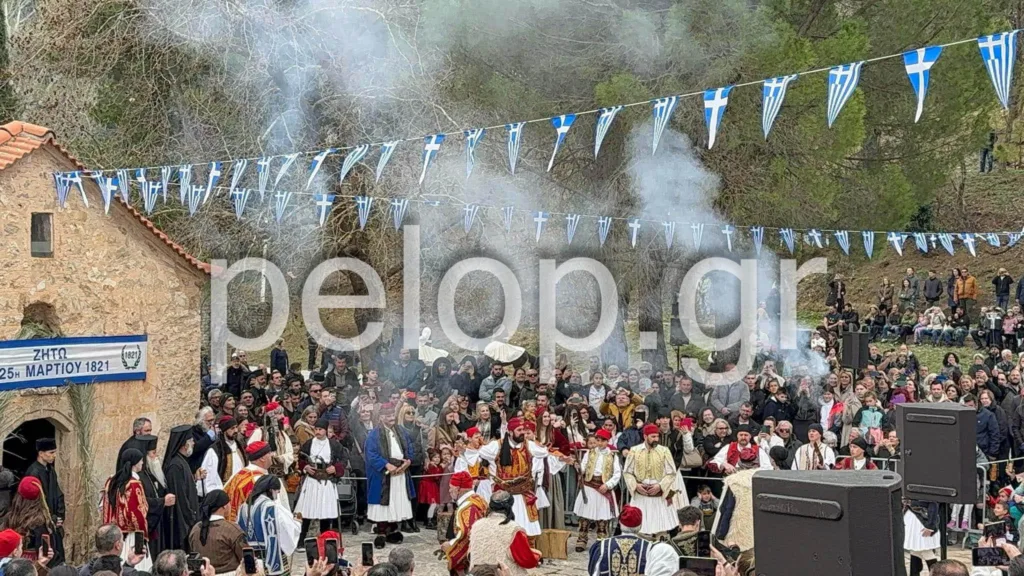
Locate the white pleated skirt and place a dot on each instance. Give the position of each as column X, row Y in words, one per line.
column 400, row 508
column 913, row 539
column 597, row 506
column 658, row 515
column 318, row 500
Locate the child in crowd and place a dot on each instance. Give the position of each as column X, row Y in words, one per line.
column 706, row 502
column 429, row 489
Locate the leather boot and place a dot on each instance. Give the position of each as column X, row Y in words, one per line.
column 916, row 566
column 581, row 540
column 602, row 529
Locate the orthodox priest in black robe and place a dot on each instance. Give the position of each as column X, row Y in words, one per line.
column 181, row 482
column 42, row 468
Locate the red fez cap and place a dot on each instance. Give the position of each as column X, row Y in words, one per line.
column 29, row 488
column 515, row 423
column 9, row 542
column 257, row 450
column 462, row 480
column 603, row 434
column 271, row 406
column 530, row 425
column 324, row 537
column 473, row 431
column 410, row 395
column 631, row 517
column 651, row 429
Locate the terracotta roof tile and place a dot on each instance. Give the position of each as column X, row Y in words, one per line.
column 19, row 139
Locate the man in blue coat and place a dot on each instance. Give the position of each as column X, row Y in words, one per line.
column 390, row 490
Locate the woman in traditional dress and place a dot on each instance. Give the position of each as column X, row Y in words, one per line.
column 125, row 504
column 552, row 517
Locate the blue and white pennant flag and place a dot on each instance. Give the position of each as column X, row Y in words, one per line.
column 195, row 198
column 386, row 150
column 288, row 161
column 715, row 102
column 1013, row 237
column 431, row 144
column 263, row 172
column 124, row 185
column 63, row 187
column 947, row 242
column 351, row 159
column 281, row 200
column 918, row 64
column 788, row 237
column 634, row 231
column 75, row 179
column 968, row 240
column 843, row 239
column 323, row 207
column 999, row 52
column 670, row 233
column 515, row 134
column 469, row 215
column 150, row 192
column 506, row 217
column 698, row 235
column 363, row 205
column 727, row 231
column 993, row 239
column 604, row 225
column 868, row 236
column 473, row 137
column 921, row 240
column 398, row 209
column 211, row 179
column 561, row 124
column 571, row 222
column 237, row 171
column 140, row 179
column 662, row 112
column 184, row 183
column 814, row 237
column 842, row 82
column 540, row 218
column 896, row 239
column 239, row 197
column 605, row 117
column 108, row 186
column 757, row 234
column 774, row 93
column 315, row 164
column 165, row 180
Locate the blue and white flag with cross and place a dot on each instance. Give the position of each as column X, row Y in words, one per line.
column 715, row 102
column 896, row 239
column 165, row 180
column 947, row 242
column 774, row 93
column 604, row 225
column 195, row 198
column 634, row 231
column 263, row 173
column 150, row 192
column 363, row 206
column 239, row 197
column 281, row 200
column 842, row 82
column 473, row 137
column 999, row 52
column 670, row 233
column 211, row 179
column 184, row 183
column 398, row 208
column 323, row 207
column 540, row 218
column 1013, row 237
column 353, row 157
column 757, row 235
column 662, row 112
column 968, row 240
column 843, row 239
column 237, row 171
column 788, row 238
column 63, row 187
column 316, row 164
column 515, row 135
column 605, row 117
column 386, row 150
column 921, row 240
column 698, row 235
column 919, row 64
column 869, row 242
column 108, row 187
column 288, row 161
column 728, row 230
column 469, row 215
column 124, row 185
column 431, row 145
column 571, row 222
column 506, row 217
column 561, row 124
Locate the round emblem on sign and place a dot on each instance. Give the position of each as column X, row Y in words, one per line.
column 131, row 356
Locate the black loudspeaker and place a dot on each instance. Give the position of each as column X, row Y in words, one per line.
column 850, row 523
column 938, row 452
column 676, row 336
column 855, row 350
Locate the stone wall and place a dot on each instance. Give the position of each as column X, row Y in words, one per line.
column 108, row 276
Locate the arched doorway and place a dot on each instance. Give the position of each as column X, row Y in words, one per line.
column 20, row 445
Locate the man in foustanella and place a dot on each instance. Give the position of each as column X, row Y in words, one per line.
column 321, row 461
column 181, row 482
column 42, row 468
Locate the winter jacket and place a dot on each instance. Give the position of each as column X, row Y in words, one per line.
column 932, row 289
column 987, row 430
column 101, row 563
column 914, row 286
column 489, row 385
column 1002, row 284
column 967, row 288
column 729, row 396
column 693, row 406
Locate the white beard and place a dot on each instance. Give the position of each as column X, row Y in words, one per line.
column 156, row 469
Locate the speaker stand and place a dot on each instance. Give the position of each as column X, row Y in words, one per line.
column 943, row 539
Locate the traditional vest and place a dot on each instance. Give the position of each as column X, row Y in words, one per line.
column 260, row 527
column 607, row 468
column 624, row 555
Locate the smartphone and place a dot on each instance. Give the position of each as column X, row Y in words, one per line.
column 312, row 552
column 699, row 566
column 195, row 564
column 367, row 553
column 44, row 545
column 331, row 550
column 989, row 557
column 140, row 543
column 731, row 553
column 766, row 430
column 249, row 559
column 994, row 530
column 704, row 544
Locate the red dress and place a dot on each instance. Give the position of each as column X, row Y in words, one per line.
column 429, row 490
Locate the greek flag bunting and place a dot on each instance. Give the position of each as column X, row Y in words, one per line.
column 604, row 225
column 515, row 133
column 263, row 171
column 165, row 180
column 999, row 51
column 323, row 207
column 540, row 218
column 727, row 231
column 774, row 93
column 605, row 117
column 1013, row 237
column 868, row 237
column 968, row 240
column 195, row 198
column 634, row 231
column 314, row 166
column 698, row 235
column 108, row 186
column 212, row 178
column 150, row 192
column 75, row 178
column 288, row 161
column 993, row 239
column 670, row 233
column 757, row 234
column 237, row 171
column 561, row 124
column 140, row 179
column 843, row 239
column 184, row 183
column 386, row 150
column 363, row 205
column 351, row 159
column 571, row 222
column 934, row 240
column 842, row 82
column 788, row 237
column 63, row 187
column 473, row 137
column 921, row 239
column 281, row 200
column 431, row 144
column 398, row 208
column 239, row 197
column 715, row 102
column 506, row 217
column 918, row 64
column 469, row 215
column 431, row 202
column 124, row 185
column 896, row 239
column 662, row 112
column 947, row 242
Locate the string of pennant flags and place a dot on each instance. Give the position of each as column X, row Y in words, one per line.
column 997, row 52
